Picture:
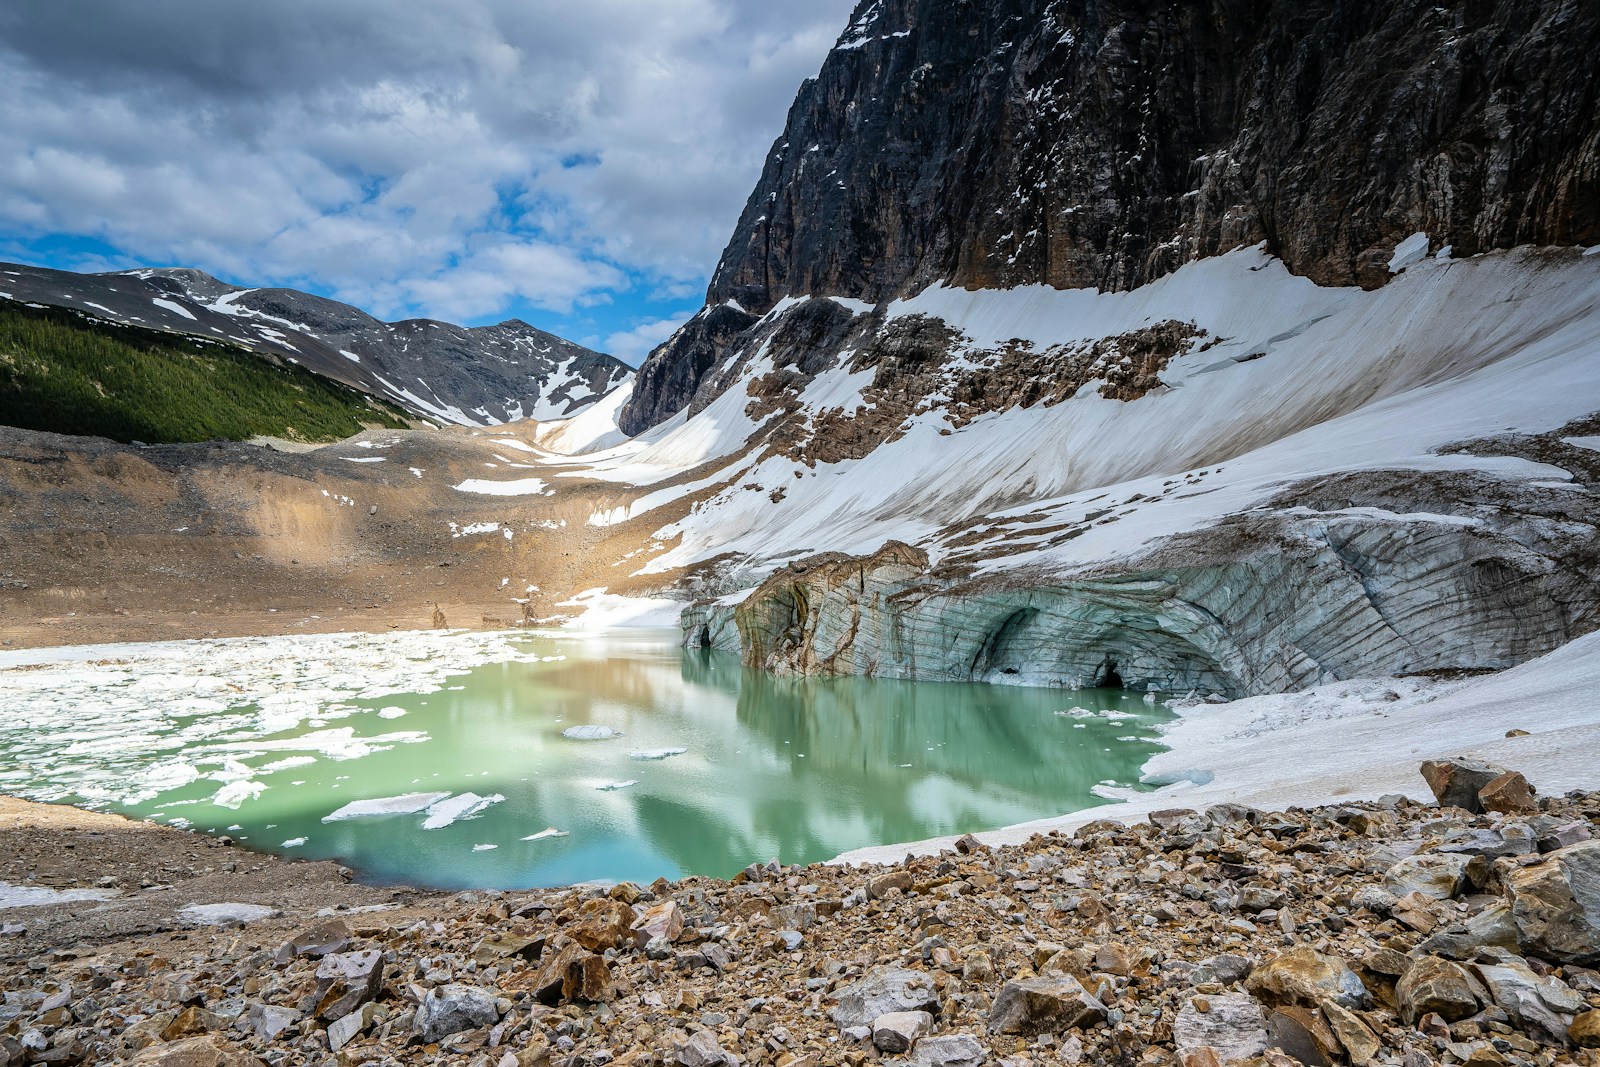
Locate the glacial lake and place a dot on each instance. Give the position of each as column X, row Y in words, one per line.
column 483, row 777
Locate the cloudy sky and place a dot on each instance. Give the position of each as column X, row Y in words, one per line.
column 576, row 164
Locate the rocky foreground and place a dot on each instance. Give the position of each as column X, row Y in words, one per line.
column 1368, row 933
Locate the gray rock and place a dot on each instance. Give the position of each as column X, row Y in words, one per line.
column 1044, row 1005
column 882, row 992
column 1456, row 782
column 267, row 1021
column 1225, row 969
column 1493, row 927
column 347, row 980
column 947, row 1050
column 1232, row 1024
column 323, row 939
column 1545, row 1007
column 702, row 1050
column 225, row 914
column 899, row 1030
column 1556, row 904
column 1564, row 835
column 345, row 1030
column 451, row 1009
column 1442, row 876
column 1438, row 986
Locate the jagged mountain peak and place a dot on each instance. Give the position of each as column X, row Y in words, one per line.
column 438, row 370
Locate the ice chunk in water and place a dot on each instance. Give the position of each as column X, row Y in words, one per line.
column 456, row 808
column 612, row 787
column 234, row 794
column 546, row 834
column 391, row 713
column 294, row 842
column 656, row 753
column 409, row 804
column 590, row 733
column 484, row 848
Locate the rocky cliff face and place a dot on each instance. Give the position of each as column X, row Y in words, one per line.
column 454, row 374
column 1081, row 143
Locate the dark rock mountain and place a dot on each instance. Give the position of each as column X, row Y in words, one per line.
column 477, row 375
column 1105, row 143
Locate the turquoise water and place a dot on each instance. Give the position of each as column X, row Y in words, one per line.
column 794, row 769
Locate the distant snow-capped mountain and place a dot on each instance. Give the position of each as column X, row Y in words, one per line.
column 465, row 375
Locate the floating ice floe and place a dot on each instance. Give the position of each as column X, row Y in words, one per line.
column 391, row 713
column 294, row 842
column 454, row 809
column 1075, row 713
column 656, row 753
column 235, row 794
column 590, row 733
column 409, row 804
column 546, row 834
column 612, row 787
column 484, row 848
column 287, row 763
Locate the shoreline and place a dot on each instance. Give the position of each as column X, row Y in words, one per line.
column 1254, row 751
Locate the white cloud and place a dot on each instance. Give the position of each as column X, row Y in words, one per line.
column 631, row 346
column 420, row 161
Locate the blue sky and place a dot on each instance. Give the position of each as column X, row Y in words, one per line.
column 576, row 166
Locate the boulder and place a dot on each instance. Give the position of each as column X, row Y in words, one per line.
column 574, row 973
column 1049, row 1004
column 1509, row 794
column 899, row 1030
column 347, row 980
column 1230, row 1024
column 343, row 1031
column 1492, row 927
column 884, row 884
column 267, row 1021
column 1225, row 969
column 1560, row 835
column 884, row 991
column 1361, row 1045
column 195, row 1052
column 323, row 939
column 1307, row 977
column 702, row 1050
column 603, row 924
column 451, row 1009
column 1456, row 782
column 1585, row 1030
column 1544, row 1007
column 1440, row 875
column 1438, row 986
column 1556, row 905
column 665, row 921
column 1304, row 1034
column 949, row 1050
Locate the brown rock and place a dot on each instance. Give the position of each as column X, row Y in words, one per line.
column 1361, row 1045
column 1556, row 904
column 665, row 921
column 1455, row 782
column 1304, row 1034
column 603, row 924
column 966, row 844
column 547, row 982
column 1437, row 986
column 884, row 884
column 1585, row 1030
column 1044, row 1005
column 1306, row 977
column 323, row 939
column 588, row 979
column 191, row 1021
column 1509, row 794
column 194, row 1052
